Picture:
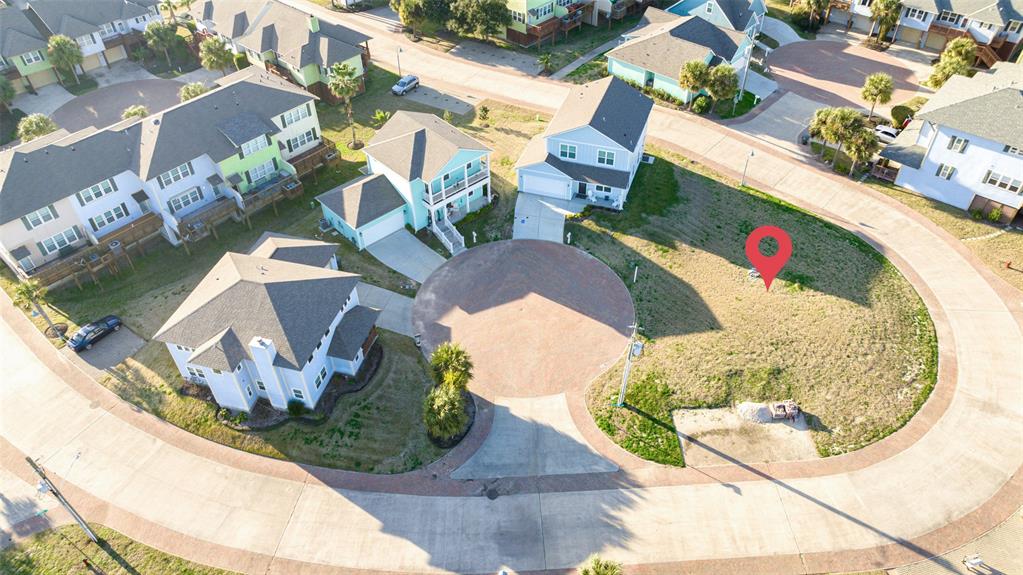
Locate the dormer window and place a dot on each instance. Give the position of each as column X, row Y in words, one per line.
column 710, row 7
column 255, row 145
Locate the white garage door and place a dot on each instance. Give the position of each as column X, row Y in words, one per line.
column 390, row 223
column 551, row 187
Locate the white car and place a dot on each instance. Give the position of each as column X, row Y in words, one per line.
column 886, row 134
column 405, row 85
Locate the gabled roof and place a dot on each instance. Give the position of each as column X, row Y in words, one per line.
column 737, row 12
column 687, row 38
column 17, row 34
column 76, row 18
column 609, row 106
column 292, row 249
column 536, row 153
column 352, row 332
column 245, row 296
column 904, row 150
column 362, row 200
column 984, row 105
column 245, row 126
column 989, row 11
column 418, row 145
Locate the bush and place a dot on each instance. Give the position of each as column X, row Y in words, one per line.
column 241, row 61
column 801, row 18
column 899, row 115
column 296, row 408
column 190, row 26
column 977, row 214
column 701, row 105
column 994, row 215
column 444, row 412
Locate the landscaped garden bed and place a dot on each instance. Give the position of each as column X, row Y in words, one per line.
column 841, row 331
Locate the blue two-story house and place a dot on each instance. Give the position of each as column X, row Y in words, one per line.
column 421, row 172
column 739, row 15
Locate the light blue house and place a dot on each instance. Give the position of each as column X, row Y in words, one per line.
column 653, row 53
column 740, row 15
column 421, row 172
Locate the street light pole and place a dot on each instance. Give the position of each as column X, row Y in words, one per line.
column 399, row 62
column 628, row 366
column 742, row 182
column 60, row 497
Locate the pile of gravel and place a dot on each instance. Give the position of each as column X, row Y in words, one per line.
column 754, row 412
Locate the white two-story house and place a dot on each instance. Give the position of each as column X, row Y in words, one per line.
column 276, row 323
column 591, row 148
column 965, row 146
column 422, row 172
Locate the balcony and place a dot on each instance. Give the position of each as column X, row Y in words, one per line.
column 949, row 30
column 323, row 154
column 127, row 38
column 886, row 173
column 457, row 186
column 203, row 221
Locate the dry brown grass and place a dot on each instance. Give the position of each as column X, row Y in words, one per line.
column 841, row 332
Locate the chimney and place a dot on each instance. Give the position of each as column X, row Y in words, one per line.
column 314, row 24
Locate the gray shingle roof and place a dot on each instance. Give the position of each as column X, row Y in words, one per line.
column 737, row 12
column 691, row 38
column 292, row 249
column 17, row 34
column 984, row 105
column 609, row 106
column 362, row 200
column 418, row 145
column 989, row 11
column 352, row 332
column 244, row 297
column 245, row 126
column 904, row 150
column 78, row 17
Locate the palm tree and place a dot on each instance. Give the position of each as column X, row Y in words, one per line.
column 861, row 147
column 693, row 77
column 444, row 412
column 842, row 125
column 192, row 90
column 545, row 61
column 450, row 357
column 816, row 7
column 818, row 127
column 29, row 293
column 161, row 36
column 215, row 55
column 886, row 14
column 33, row 126
column 344, row 84
column 722, row 83
column 596, row 566
column 64, row 53
column 7, row 93
column 168, row 5
column 877, row 89
column 136, row 111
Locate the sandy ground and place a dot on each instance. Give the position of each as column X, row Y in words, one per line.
column 720, row 436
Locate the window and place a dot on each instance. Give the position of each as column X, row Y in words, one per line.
column 518, row 16
column 99, row 190
column 184, row 348
column 140, row 19
column 183, row 200
column 39, row 217
column 957, row 144
column 945, row 171
column 567, row 151
column 1014, row 26
column 1005, row 182
column 1012, row 150
column 297, row 393
column 301, row 140
column 196, row 373
column 602, row 189
column 984, row 25
column 545, row 10
column 86, row 40
column 261, row 172
column 949, row 17
column 295, row 115
column 248, row 389
column 218, row 372
column 3, row 63
column 322, row 376
column 107, row 30
column 606, row 157
column 61, row 240
column 916, row 14
column 255, row 145
column 260, row 385
column 564, row 3
column 26, row 264
column 710, row 7
column 30, row 58
column 108, row 217
column 176, row 174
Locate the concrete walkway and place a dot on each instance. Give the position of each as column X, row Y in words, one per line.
column 582, row 60
column 395, row 309
column 946, row 477
column 780, row 31
column 405, row 254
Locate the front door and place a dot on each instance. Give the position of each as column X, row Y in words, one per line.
column 582, row 190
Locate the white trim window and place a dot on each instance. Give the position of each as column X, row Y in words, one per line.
column 39, row 217
column 519, row 17
column 86, row 40
column 58, row 241
column 297, row 393
column 26, row 264
column 710, row 7
column 175, row 174
column 196, row 373
column 566, row 3
column 292, row 116
column 321, row 377
column 262, row 172
column 108, row 217
column 107, row 30
column 1014, row 26
column 567, row 151
column 948, row 17
column 957, row 144
column 1008, row 183
column 254, row 145
column 606, row 157
column 302, row 139
column 545, row 10
column 184, row 199
column 260, row 385
column 945, row 171
column 95, row 192
column 32, row 57
column 1012, row 150
column 601, row 189
column 916, row 14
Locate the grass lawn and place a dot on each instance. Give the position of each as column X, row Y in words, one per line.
column 841, row 331
column 842, row 164
column 9, row 125
column 63, row 549
column 84, row 85
column 748, row 101
column 595, row 69
column 1006, row 246
column 781, row 10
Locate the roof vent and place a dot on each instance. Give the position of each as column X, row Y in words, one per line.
column 156, row 121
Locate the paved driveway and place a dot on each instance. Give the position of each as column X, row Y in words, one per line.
column 780, row 31
column 542, row 218
column 103, row 106
column 107, row 353
column 782, row 122
column 395, row 309
column 833, row 72
column 405, row 254
column 44, row 101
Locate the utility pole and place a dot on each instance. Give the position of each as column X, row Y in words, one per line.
column 628, row 365
column 399, row 64
column 60, row 497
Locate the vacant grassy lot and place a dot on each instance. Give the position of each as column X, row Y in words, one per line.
column 63, row 549
column 841, row 331
column 593, row 70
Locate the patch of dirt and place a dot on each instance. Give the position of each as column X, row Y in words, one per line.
column 722, row 436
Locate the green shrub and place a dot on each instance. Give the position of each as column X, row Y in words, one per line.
column 899, row 114
column 241, row 61
column 994, row 215
column 444, row 412
column 296, row 408
column 701, row 105
column 977, row 214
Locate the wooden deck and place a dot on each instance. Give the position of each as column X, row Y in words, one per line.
column 324, row 154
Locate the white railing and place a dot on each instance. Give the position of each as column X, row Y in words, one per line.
column 457, row 186
column 448, row 236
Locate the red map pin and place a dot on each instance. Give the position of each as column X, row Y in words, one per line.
column 769, row 266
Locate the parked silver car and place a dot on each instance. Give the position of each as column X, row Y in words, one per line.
column 885, row 134
column 405, row 85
